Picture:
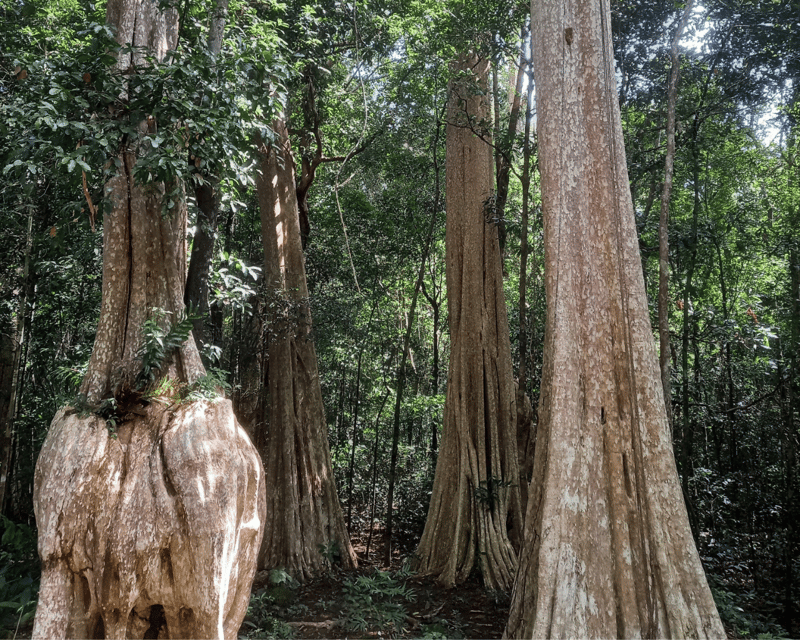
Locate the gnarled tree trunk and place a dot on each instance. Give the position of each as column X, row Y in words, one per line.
column 608, row 551
column 149, row 517
column 306, row 518
column 475, row 497
column 154, row 531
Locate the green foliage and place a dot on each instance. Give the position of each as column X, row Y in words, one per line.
column 108, row 410
column 442, row 629
column 488, row 490
column 331, row 553
column 260, row 621
column 744, row 624
column 208, row 387
column 281, row 576
column 232, row 282
column 159, row 343
column 271, row 605
column 19, row 576
column 375, row 603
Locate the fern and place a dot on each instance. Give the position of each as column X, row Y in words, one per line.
column 159, row 344
column 207, row 387
column 71, row 377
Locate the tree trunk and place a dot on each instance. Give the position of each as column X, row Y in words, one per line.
column 526, row 434
column 207, row 196
column 354, row 440
column 663, row 223
column 374, row 482
column 608, row 552
column 475, row 500
column 155, row 526
column 149, row 517
column 687, row 425
column 305, row 515
column 196, row 294
column 11, row 347
column 789, row 445
column 398, row 396
column 504, row 153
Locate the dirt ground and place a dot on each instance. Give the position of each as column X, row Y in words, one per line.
column 322, row 609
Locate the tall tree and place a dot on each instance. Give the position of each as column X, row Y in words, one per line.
column 663, row 223
column 207, row 195
column 11, row 347
column 306, row 523
column 149, row 503
column 476, row 492
column 608, row 550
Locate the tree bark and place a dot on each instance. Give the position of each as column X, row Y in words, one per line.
column 505, row 150
column 608, row 552
column 152, row 530
column 150, row 517
column 475, row 510
column 306, row 517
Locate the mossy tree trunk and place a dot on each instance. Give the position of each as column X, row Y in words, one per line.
column 608, row 551
column 475, row 505
column 150, row 516
column 306, row 528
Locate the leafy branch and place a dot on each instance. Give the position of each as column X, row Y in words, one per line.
column 159, row 343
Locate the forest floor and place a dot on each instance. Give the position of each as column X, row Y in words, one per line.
column 373, row 601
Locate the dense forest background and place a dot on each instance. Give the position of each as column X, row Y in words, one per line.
column 366, row 82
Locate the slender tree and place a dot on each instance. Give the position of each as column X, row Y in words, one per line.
column 608, row 551
column 526, row 433
column 306, row 522
column 207, row 196
column 11, row 347
column 663, row 223
column 475, row 497
column 149, row 505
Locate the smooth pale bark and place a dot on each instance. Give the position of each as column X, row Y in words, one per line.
column 475, row 505
column 154, row 530
column 148, row 526
column 305, row 515
column 608, row 551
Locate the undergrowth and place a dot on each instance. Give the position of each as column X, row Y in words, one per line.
column 376, row 603
column 19, row 578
